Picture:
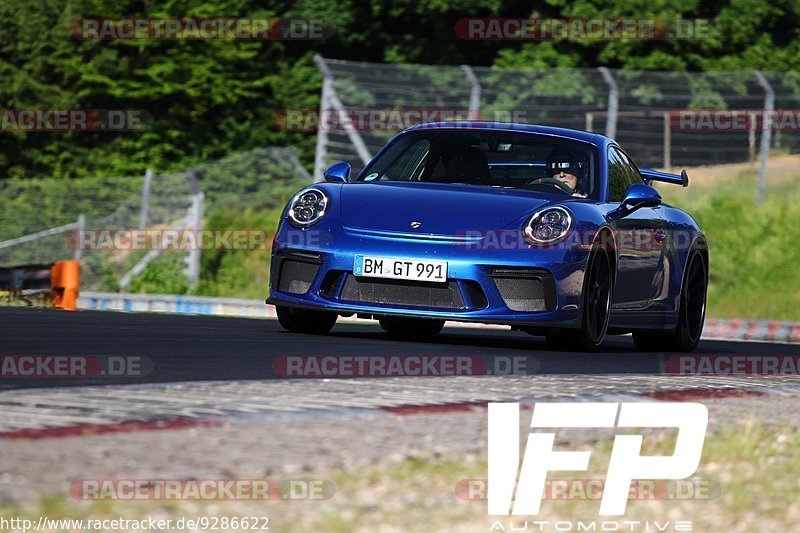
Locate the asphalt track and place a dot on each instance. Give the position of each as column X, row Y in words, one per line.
column 185, row 348
column 215, row 405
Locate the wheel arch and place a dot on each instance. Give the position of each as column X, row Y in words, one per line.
column 604, row 239
column 699, row 243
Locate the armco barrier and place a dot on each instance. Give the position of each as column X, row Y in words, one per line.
column 18, row 278
column 715, row 328
column 170, row 303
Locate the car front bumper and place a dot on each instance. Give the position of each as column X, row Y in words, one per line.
column 517, row 286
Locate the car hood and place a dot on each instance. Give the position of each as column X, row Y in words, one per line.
column 440, row 208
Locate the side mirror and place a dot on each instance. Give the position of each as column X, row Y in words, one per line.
column 338, row 173
column 638, row 196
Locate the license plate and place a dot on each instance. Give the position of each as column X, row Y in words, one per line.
column 399, row 268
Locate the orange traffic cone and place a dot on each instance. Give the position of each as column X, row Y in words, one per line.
column 64, row 282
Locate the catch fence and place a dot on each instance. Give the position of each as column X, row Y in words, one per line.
column 42, row 220
column 663, row 119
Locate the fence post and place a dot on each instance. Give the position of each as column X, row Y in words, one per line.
column 299, row 168
column 79, row 232
column 751, row 135
column 589, row 121
column 352, row 132
column 196, row 224
column 321, row 153
column 474, row 93
column 613, row 102
column 766, row 133
column 145, row 210
column 667, row 142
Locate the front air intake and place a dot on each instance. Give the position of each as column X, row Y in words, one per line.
column 296, row 276
column 525, row 290
column 402, row 292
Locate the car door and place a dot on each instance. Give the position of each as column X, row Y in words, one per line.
column 640, row 238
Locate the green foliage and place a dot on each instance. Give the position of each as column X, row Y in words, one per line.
column 207, row 98
column 238, row 273
column 211, row 98
column 28, row 205
column 164, row 275
column 743, row 35
column 753, row 248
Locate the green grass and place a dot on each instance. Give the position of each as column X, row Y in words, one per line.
column 755, row 468
column 224, row 273
column 754, row 248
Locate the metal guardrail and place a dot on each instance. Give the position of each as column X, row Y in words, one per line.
column 171, row 303
column 75, row 226
column 715, row 328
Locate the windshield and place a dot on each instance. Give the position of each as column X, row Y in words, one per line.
column 489, row 158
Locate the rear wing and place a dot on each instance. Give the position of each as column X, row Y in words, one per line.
column 654, row 175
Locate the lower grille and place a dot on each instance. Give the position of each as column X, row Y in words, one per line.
column 296, row 277
column 521, row 294
column 526, row 289
column 401, row 292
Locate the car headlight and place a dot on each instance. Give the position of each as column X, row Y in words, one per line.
column 548, row 226
column 307, row 207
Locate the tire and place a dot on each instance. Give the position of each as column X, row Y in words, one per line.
column 305, row 320
column 412, row 328
column 691, row 313
column 596, row 310
column 597, row 297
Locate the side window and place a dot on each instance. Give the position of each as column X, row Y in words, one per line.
column 616, row 177
column 636, row 177
column 405, row 166
column 622, row 173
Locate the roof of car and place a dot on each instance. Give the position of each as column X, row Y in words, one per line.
column 578, row 135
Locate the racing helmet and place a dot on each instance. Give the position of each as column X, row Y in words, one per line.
column 570, row 161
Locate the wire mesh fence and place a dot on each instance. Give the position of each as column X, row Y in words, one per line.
column 170, row 201
column 46, row 215
column 663, row 119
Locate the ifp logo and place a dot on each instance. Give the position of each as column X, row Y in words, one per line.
column 626, row 463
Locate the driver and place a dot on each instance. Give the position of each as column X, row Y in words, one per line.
column 569, row 168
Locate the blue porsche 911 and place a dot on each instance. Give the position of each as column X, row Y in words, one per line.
column 551, row 231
